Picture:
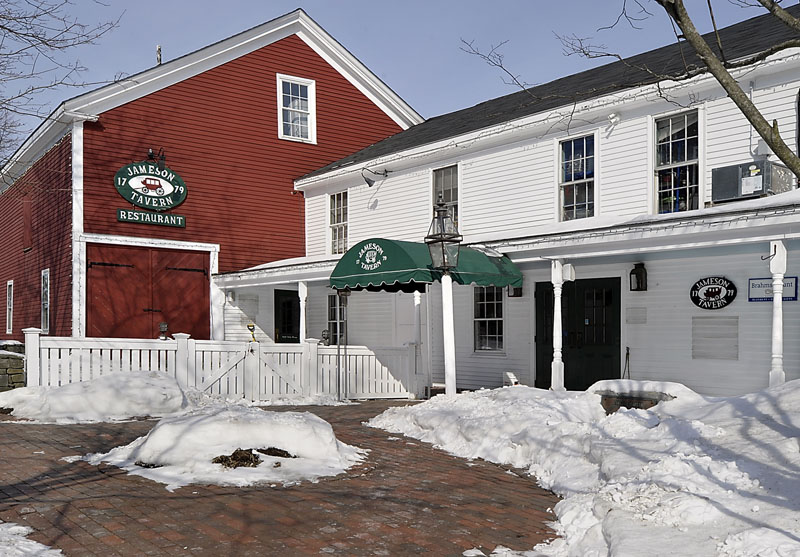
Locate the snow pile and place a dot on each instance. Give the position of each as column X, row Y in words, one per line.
column 178, row 451
column 720, row 475
column 122, row 396
column 117, row 396
column 13, row 543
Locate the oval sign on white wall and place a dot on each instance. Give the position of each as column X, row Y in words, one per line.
column 713, row 293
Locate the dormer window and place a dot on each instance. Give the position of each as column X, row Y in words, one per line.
column 296, row 109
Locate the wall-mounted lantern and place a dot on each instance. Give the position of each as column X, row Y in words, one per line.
column 638, row 278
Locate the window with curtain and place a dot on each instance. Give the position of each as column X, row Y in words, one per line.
column 296, row 102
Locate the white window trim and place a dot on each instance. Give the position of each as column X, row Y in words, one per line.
column 312, row 108
column 433, row 200
column 9, row 307
column 557, row 172
column 328, row 223
column 701, row 156
column 45, row 323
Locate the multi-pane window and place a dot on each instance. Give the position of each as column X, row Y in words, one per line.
column 445, row 189
column 338, row 222
column 488, row 320
column 677, row 163
column 45, row 302
column 9, row 307
column 576, row 180
column 336, row 317
column 296, row 108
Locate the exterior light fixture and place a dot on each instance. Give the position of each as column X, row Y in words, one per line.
column 443, row 239
column 370, row 181
column 162, row 329
column 638, row 278
column 444, row 244
column 159, row 158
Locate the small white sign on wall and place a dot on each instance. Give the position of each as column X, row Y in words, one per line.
column 760, row 289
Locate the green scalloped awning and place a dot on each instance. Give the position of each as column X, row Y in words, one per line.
column 395, row 265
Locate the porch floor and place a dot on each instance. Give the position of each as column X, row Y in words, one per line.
column 406, row 498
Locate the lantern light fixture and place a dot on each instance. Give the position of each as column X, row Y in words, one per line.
column 443, row 239
column 638, row 278
column 159, row 158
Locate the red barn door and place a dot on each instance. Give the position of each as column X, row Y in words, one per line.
column 133, row 289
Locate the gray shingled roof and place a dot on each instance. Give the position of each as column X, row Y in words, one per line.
column 739, row 41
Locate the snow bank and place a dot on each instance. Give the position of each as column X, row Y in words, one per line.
column 722, row 475
column 13, row 543
column 117, row 396
column 182, row 448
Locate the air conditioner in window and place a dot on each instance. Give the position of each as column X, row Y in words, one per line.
column 749, row 180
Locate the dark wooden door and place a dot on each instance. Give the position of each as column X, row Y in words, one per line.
column 181, row 291
column 287, row 316
column 118, row 288
column 590, row 314
column 131, row 290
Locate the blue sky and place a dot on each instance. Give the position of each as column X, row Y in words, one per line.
column 413, row 45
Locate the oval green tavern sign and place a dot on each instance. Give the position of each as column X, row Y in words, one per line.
column 149, row 187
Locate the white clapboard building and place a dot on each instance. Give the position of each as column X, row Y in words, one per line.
column 647, row 211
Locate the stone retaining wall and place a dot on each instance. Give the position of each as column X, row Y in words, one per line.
column 12, row 365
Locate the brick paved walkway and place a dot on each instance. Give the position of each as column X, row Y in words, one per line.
column 406, row 498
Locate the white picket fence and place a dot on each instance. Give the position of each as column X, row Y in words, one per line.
column 250, row 370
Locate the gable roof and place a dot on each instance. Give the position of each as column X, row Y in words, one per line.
column 88, row 105
column 739, row 41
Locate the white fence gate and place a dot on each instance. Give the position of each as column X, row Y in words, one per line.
column 250, row 370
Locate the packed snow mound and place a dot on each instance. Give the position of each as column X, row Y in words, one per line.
column 117, row 396
column 178, row 451
column 14, row 543
column 722, row 475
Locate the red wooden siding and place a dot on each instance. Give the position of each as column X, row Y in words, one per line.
column 219, row 130
column 132, row 289
column 45, row 187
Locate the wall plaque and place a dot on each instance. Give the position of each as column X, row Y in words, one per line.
column 712, row 293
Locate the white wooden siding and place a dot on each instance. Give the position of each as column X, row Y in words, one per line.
column 513, row 186
column 476, row 369
column 621, row 185
column 316, row 221
column 398, row 208
column 512, row 190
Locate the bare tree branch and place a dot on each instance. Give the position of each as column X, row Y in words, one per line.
column 36, row 42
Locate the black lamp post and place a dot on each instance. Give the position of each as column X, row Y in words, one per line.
column 443, row 239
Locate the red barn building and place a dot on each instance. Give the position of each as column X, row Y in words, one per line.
column 118, row 208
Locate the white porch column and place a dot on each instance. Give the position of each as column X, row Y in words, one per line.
column 417, row 318
column 777, row 266
column 302, row 293
column 558, row 274
column 418, row 385
column 449, row 334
